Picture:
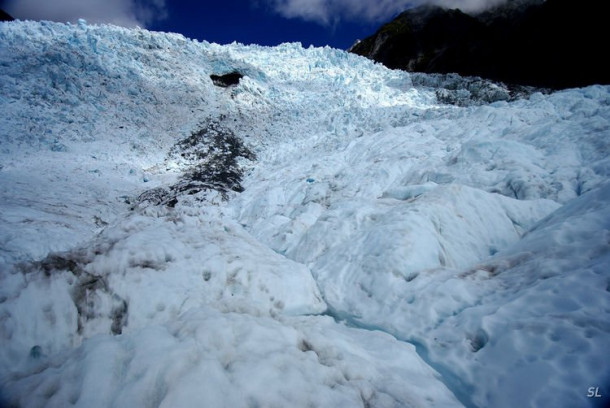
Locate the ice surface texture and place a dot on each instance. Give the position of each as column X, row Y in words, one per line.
column 323, row 233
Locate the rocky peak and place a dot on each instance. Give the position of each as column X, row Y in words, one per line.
column 552, row 43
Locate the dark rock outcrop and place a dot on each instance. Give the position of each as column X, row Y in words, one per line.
column 425, row 39
column 211, row 156
column 4, row 16
column 554, row 44
column 226, row 80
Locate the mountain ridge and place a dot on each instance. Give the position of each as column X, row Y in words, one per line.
column 552, row 44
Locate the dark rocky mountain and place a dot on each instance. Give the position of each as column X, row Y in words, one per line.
column 4, row 16
column 554, row 43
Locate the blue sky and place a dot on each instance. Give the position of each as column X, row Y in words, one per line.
column 245, row 22
column 338, row 23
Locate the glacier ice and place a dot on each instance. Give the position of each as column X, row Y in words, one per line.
column 383, row 248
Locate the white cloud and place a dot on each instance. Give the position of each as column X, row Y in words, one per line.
column 468, row 6
column 328, row 11
column 128, row 13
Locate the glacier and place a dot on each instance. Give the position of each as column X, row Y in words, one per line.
column 373, row 246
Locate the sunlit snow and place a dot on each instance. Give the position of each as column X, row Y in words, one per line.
column 373, row 246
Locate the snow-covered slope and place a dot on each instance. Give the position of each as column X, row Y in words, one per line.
column 324, row 233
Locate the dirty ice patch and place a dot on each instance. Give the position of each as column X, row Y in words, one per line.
column 208, row 358
column 147, row 270
column 202, row 260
